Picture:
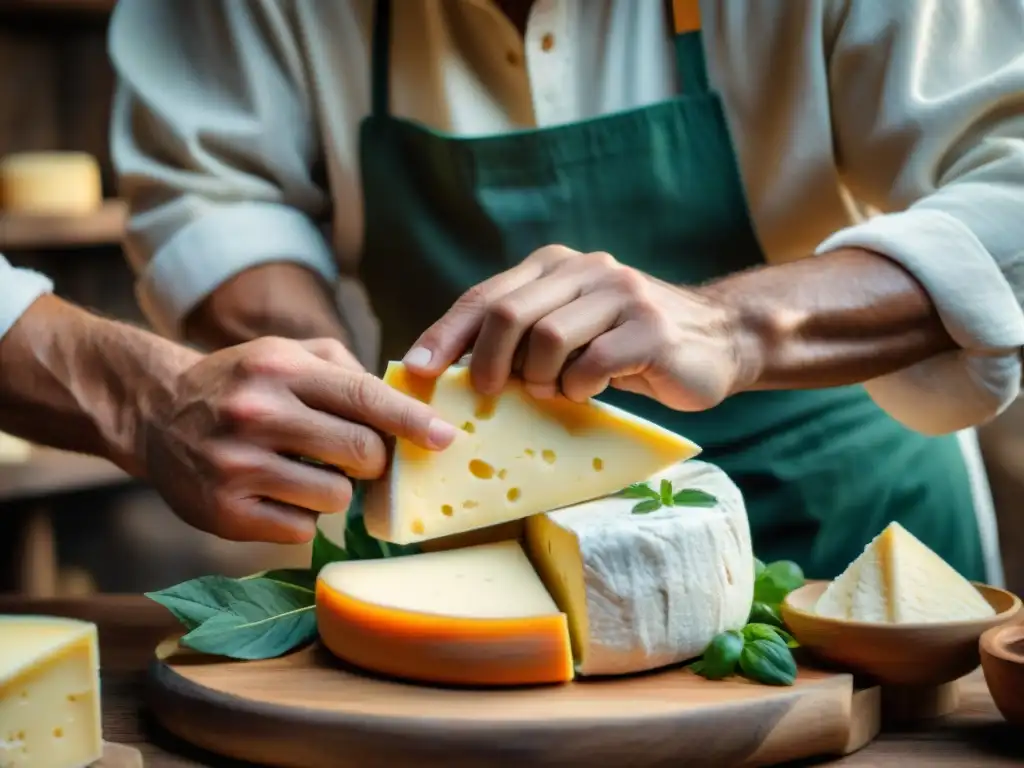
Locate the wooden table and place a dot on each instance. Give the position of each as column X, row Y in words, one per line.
column 130, row 627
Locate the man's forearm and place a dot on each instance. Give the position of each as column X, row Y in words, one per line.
column 75, row 381
column 838, row 318
column 280, row 299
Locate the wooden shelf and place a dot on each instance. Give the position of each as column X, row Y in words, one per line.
column 23, row 232
column 95, row 8
column 50, row 471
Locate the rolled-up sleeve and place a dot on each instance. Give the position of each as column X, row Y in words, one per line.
column 19, row 288
column 928, row 121
column 213, row 140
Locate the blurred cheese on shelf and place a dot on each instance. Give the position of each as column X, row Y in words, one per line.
column 13, row 449
column 50, row 183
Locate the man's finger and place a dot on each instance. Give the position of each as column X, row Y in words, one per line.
column 333, row 351
column 255, row 519
column 619, row 353
column 450, row 337
column 295, row 484
column 365, row 399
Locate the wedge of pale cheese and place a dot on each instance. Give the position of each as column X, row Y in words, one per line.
column 515, row 456
column 899, row 580
column 645, row 590
column 473, row 616
column 49, row 693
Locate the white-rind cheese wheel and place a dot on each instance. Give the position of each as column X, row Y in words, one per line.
column 50, row 183
column 644, row 591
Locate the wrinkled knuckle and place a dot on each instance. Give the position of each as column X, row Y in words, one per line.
column 602, row 259
column 366, row 449
column 630, row 282
column 599, row 358
column 475, row 298
column 269, row 356
column 246, row 406
column 553, row 255
column 365, row 393
column 548, row 335
column 504, row 312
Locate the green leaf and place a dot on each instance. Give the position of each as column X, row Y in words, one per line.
column 644, row 507
column 768, row 662
column 721, row 655
column 289, row 578
column 666, row 493
column 269, row 619
column 776, row 581
column 639, row 491
column 767, row 632
column 359, row 544
column 758, row 567
column 697, row 667
column 692, row 497
column 197, row 600
column 325, row 551
column 764, row 613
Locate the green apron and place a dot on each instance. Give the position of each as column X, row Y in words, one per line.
column 822, row 471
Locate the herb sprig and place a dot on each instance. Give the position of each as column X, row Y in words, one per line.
column 762, row 650
column 270, row 613
column 665, row 496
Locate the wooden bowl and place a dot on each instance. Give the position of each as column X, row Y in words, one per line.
column 915, row 664
column 1002, row 659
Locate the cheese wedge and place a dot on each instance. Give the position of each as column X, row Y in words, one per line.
column 643, row 591
column 899, row 580
column 473, row 616
column 49, row 693
column 515, row 456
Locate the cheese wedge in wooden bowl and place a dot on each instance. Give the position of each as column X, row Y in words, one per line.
column 902, row 616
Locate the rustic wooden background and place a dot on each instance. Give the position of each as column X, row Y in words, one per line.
column 55, row 87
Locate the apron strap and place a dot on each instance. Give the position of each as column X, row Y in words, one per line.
column 380, row 58
column 689, row 45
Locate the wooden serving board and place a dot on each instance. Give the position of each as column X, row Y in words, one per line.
column 308, row 710
column 118, row 756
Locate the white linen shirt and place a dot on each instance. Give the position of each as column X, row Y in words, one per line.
column 19, row 288
column 912, row 109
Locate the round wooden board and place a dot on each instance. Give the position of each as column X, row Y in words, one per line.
column 308, row 710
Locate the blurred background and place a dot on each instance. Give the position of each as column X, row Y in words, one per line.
column 73, row 525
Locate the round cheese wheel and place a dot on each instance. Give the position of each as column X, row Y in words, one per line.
column 50, row 183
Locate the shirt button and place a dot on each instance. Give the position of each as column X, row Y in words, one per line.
column 547, row 42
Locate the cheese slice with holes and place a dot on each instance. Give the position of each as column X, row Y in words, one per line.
column 49, row 693
column 473, row 616
column 644, row 591
column 515, row 456
column 898, row 579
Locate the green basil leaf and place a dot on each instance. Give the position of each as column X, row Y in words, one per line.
column 666, row 493
column 197, row 600
column 697, row 667
column 788, row 639
column 639, row 491
column 359, row 544
column 768, row 662
column 270, row 620
column 644, row 507
column 289, row 578
column 693, row 497
column 325, row 551
column 787, row 574
column 764, row 613
column 758, row 567
column 767, row 632
column 721, row 655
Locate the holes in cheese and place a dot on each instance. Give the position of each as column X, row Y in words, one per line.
column 49, row 692
column 473, row 616
column 524, row 456
column 898, row 579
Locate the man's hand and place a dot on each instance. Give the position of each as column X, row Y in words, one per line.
column 580, row 322
column 216, row 443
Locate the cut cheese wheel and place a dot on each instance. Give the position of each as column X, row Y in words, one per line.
column 648, row 590
column 515, row 456
column 53, row 183
column 473, row 616
column 49, row 693
column 900, row 580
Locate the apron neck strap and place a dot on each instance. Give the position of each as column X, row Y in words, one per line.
column 684, row 15
column 380, row 58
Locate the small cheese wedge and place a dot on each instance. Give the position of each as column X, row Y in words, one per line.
column 900, row 580
column 644, row 591
column 515, row 456
column 473, row 616
column 49, row 693
column 55, row 183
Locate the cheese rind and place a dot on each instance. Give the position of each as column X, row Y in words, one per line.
column 516, row 456
column 49, row 693
column 644, row 591
column 52, row 183
column 473, row 616
column 900, row 580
